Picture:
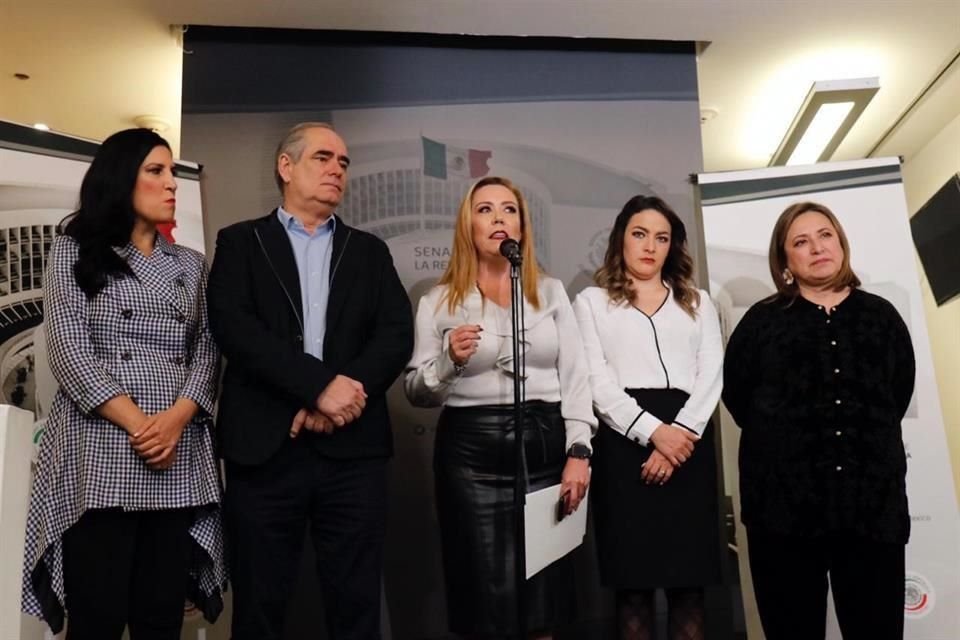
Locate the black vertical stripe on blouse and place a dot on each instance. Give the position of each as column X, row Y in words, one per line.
column 656, row 343
column 820, row 399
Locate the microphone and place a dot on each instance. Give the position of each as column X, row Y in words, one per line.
column 510, row 249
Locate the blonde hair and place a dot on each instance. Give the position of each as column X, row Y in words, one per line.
column 461, row 274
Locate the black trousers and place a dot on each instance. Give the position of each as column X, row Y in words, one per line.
column 790, row 580
column 267, row 509
column 127, row 568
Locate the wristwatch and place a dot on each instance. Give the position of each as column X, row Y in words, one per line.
column 579, row 451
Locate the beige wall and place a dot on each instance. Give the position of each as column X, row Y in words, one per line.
column 923, row 174
column 89, row 54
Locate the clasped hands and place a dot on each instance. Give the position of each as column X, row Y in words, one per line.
column 155, row 438
column 342, row 402
column 673, row 447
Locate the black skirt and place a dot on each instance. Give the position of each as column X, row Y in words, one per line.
column 650, row 535
column 474, row 465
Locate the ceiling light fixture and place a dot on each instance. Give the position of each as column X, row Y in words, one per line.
column 154, row 123
column 41, row 126
column 825, row 118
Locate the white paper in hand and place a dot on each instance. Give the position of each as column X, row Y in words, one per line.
column 547, row 540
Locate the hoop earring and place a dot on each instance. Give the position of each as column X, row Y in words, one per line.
column 787, row 276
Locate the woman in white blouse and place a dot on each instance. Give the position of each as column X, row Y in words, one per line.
column 463, row 360
column 655, row 354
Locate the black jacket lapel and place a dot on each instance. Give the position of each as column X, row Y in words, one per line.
column 279, row 254
column 341, row 273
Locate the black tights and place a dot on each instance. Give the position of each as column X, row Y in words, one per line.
column 685, row 614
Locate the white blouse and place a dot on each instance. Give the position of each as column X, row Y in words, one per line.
column 556, row 370
column 627, row 349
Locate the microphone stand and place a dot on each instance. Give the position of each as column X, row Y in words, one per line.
column 520, row 484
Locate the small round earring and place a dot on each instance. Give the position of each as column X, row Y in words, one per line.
column 787, row 276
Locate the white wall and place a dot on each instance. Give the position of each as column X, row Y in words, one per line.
column 923, row 174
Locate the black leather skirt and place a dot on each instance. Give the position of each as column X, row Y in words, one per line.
column 474, row 465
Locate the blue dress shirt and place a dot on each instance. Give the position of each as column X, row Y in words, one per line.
column 312, row 253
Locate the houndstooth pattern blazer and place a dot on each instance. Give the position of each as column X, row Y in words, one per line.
column 145, row 336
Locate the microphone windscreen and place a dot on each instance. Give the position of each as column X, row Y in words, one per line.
column 510, row 249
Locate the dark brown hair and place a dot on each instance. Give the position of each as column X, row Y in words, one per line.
column 677, row 269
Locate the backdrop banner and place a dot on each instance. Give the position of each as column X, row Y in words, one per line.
column 580, row 125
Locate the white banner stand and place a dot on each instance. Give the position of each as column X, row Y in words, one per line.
column 16, row 452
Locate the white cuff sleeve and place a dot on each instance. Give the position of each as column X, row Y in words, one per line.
column 642, row 428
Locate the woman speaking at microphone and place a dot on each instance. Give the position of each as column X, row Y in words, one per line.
column 463, row 360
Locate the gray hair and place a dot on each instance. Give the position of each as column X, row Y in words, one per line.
column 292, row 145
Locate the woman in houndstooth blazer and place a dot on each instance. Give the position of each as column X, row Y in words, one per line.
column 124, row 520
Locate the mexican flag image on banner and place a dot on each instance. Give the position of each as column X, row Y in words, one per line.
column 445, row 161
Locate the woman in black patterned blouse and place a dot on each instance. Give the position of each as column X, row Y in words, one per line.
column 819, row 377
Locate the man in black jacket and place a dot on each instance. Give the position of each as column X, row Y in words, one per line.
column 315, row 326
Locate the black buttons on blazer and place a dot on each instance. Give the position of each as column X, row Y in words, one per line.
column 181, row 318
column 177, row 360
column 126, row 314
column 126, row 355
column 179, row 281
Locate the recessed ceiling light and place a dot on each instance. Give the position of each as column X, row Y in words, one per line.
column 707, row 114
column 154, row 123
column 41, row 126
column 22, row 76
